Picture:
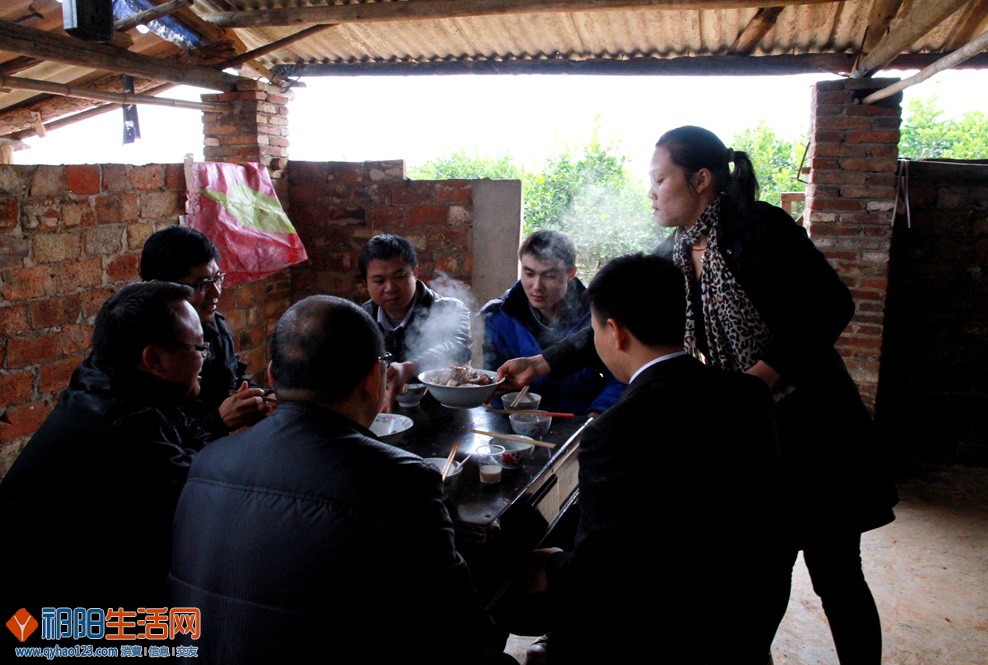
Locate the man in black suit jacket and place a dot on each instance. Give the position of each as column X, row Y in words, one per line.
column 675, row 535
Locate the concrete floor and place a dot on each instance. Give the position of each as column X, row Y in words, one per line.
column 928, row 571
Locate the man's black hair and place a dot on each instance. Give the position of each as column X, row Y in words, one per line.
column 644, row 293
column 326, row 345
column 135, row 316
column 385, row 247
column 550, row 246
column 171, row 253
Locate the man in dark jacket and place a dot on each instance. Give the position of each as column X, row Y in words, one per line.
column 545, row 306
column 228, row 399
column 306, row 539
column 86, row 508
column 422, row 329
column 688, row 455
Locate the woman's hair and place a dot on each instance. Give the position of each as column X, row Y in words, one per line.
column 695, row 148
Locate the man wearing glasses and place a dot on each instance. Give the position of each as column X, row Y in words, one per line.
column 229, row 399
column 90, row 499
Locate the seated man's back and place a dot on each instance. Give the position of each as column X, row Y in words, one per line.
column 305, row 538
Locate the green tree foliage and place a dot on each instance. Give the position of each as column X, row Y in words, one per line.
column 584, row 191
column 926, row 134
column 468, row 166
column 776, row 161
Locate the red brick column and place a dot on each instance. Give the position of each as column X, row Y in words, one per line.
column 255, row 129
column 849, row 202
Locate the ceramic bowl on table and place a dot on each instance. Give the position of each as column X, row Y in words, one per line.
column 465, row 396
column 440, row 462
column 530, row 423
column 529, row 401
column 411, row 395
column 515, row 452
column 390, row 427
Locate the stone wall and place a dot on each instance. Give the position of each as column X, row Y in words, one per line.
column 934, row 380
column 69, row 237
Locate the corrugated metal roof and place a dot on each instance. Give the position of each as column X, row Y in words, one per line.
column 655, row 36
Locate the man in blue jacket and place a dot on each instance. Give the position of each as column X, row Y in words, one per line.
column 545, row 306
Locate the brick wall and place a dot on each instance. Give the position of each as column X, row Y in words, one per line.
column 69, row 237
column 336, row 207
column 934, row 379
column 849, row 202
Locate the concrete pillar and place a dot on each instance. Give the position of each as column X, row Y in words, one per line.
column 849, row 203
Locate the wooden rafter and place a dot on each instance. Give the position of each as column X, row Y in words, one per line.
column 145, row 17
column 60, row 48
column 435, row 9
column 907, row 28
column 969, row 50
column 18, row 83
column 972, row 22
column 763, row 21
column 879, row 20
column 20, row 119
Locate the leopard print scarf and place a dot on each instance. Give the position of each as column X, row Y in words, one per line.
column 736, row 335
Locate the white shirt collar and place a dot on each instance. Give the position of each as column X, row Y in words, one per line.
column 385, row 322
column 654, row 361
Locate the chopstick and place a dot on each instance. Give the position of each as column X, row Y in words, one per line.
column 554, row 414
column 449, row 460
column 519, row 396
column 512, row 437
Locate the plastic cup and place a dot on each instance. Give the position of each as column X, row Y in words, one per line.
column 489, row 461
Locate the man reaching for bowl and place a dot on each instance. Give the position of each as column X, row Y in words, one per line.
column 422, row 329
column 543, row 307
column 676, row 539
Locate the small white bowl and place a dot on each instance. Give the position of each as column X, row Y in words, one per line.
column 528, row 401
column 515, row 452
column 413, row 394
column 440, row 462
column 530, row 423
column 390, row 427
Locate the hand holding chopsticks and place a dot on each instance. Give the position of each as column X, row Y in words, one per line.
column 449, row 460
column 512, row 437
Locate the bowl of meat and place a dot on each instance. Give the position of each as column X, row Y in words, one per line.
column 459, row 386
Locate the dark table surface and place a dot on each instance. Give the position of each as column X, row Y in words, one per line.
column 496, row 525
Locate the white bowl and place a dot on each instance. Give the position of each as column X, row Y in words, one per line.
column 412, row 396
column 440, row 462
column 528, row 401
column 515, row 452
column 459, row 397
column 530, row 423
column 390, row 427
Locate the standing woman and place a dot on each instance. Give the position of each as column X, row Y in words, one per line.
column 763, row 299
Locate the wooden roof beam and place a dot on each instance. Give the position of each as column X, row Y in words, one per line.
column 879, row 20
column 436, row 9
column 60, row 48
column 972, row 22
column 148, row 15
column 923, row 17
column 18, row 83
column 763, row 21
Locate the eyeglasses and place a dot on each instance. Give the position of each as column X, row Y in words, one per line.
column 206, row 282
column 386, row 359
column 206, row 352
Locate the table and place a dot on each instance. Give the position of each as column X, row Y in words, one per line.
column 497, row 525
